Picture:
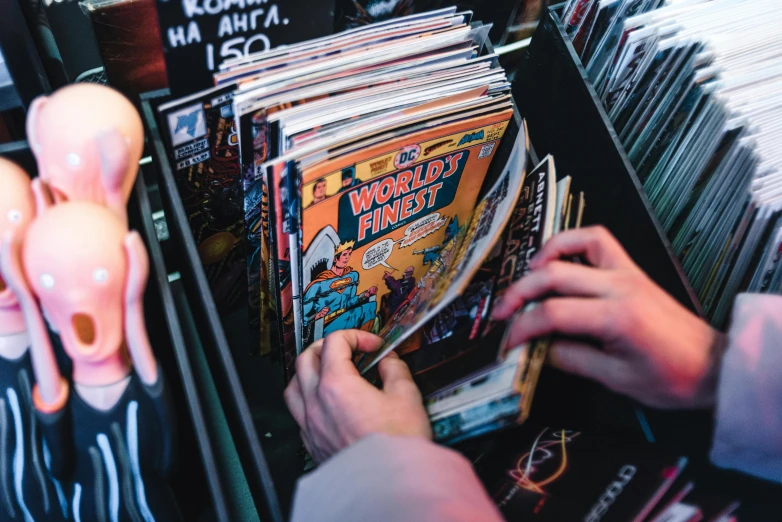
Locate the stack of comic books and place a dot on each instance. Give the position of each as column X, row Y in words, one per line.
column 474, row 380
column 353, row 179
column 317, row 101
column 542, row 474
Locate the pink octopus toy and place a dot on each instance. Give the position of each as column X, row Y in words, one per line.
column 111, row 435
column 87, row 140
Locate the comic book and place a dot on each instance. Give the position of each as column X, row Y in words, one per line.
column 499, row 381
column 288, row 320
column 292, row 322
column 204, row 153
column 386, row 207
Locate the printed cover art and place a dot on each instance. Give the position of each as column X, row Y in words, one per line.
column 555, row 474
column 374, row 222
column 461, row 339
column 459, row 260
column 204, row 149
column 258, row 146
column 284, row 217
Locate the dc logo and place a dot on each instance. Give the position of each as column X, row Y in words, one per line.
column 407, row 156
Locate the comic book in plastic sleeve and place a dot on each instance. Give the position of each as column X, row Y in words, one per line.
column 371, row 137
column 204, row 151
column 365, row 243
column 449, row 274
column 284, row 207
column 449, row 348
column 256, row 148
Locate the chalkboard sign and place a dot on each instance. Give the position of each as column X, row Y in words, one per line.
column 198, row 35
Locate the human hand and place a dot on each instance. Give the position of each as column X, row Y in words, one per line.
column 653, row 349
column 322, row 313
column 370, row 292
column 336, row 407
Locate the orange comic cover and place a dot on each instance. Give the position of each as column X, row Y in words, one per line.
column 374, row 220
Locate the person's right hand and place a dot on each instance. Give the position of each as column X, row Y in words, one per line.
column 653, row 349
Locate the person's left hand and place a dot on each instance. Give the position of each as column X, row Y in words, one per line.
column 336, row 407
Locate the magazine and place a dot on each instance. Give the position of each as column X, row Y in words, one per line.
column 204, row 152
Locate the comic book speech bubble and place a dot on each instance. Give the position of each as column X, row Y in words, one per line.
column 423, row 227
column 377, row 254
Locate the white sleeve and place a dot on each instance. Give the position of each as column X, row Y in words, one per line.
column 393, row 479
column 748, row 417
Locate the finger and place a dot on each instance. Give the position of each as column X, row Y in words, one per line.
column 295, row 402
column 307, row 444
column 338, row 350
column 557, row 277
column 597, row 244
column 579, row 317
column 308, row 368
column 396, row 377
column 582, row 359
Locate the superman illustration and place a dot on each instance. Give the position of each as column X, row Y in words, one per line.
column 332, row 296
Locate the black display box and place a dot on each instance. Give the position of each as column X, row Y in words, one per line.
column 251, row 386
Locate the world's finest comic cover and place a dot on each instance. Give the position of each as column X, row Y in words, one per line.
column 374, row 220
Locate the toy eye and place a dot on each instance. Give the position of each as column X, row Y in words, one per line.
column 14, row 215
column 73, row 159
column 100, row 275
column 47, row 281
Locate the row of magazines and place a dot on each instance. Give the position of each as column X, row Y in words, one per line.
column 692, row 90
column 375, row 179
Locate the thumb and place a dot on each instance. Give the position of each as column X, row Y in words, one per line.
column 396, row 377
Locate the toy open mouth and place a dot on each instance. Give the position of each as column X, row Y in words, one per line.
column 84, row 327
column 2, row 284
